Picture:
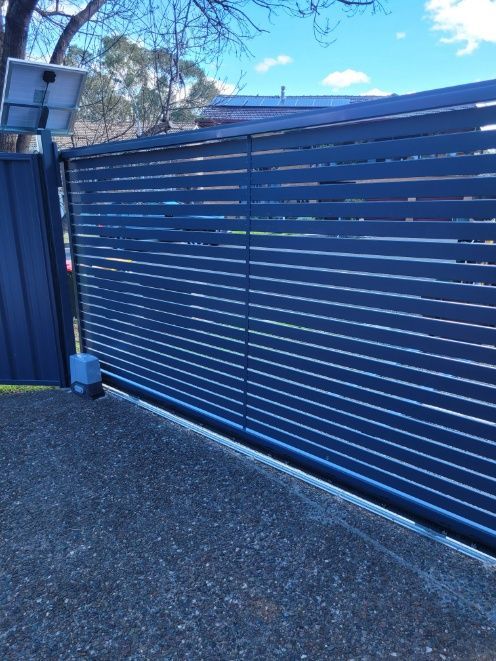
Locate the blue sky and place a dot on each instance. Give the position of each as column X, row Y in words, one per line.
column 417, row 45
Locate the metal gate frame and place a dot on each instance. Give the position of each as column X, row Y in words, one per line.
column 122, row 154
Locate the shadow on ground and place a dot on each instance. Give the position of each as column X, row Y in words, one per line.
column 124, row 536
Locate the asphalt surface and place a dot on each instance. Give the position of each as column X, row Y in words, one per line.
column 125, row 536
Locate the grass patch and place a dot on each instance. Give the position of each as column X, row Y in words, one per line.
column 14, row 389
column 18, row 388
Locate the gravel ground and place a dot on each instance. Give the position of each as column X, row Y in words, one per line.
column 125, row 536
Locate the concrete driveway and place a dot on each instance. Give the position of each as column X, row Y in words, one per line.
column 125, row 536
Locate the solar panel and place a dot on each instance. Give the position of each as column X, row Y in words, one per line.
column 263, row 101
column 33, row 88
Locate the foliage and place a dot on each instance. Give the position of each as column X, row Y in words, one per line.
column 129, row 83
column 174, row 31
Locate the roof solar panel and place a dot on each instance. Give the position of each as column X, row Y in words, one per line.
column 267, row 101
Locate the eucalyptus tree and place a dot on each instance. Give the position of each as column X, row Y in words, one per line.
column 133, row 88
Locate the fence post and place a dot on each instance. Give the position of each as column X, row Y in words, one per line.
column 50, row 183
column 75, row 286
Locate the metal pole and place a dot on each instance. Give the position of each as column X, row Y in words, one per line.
column 50, row 181
column 75, row 288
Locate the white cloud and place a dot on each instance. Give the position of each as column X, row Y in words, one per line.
column 346, row 78
column 224, row 86
column 269, row 62
column 400, row 35
column 465, row 22
column 375, row 91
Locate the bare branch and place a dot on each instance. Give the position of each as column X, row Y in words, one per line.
column 75, row 24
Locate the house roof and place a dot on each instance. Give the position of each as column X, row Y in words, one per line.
column 91, row 133
column 241, row 108
column 87, row 133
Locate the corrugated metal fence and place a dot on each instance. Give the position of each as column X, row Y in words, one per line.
column 323, row 285
column 36, row 331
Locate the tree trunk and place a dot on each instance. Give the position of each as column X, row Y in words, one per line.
column 15, row 38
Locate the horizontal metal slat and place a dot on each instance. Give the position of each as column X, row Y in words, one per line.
column 386, row 191
column 450, row 391
column 447, row 271
column 446, row 310
column 305, row 372
column 100, row 180
column 167, row 210
column 318, row 389
column 201, row 323
column 172, row 369
column 198, row 399
column 202, row 149
column 209, row 322
column 420, row 229
column 162, row 196
column 126, row 379
column 392, row 337
column 270, row 307
column 134, row 293
column 227, row 164
column 381, row 209
column 385, row 472
column 218, row 346
column 159, row 180
column 188, row 357
column 193, row 265
column 327, row 345
column 165, row 300
column 187, row 279
column 391, row 127
column 449, row 442
column 426, row 167
column 393, row 444
column 165, row 283
column 410, row 286
column 145, row 247
column 392, row 148
column 439, row 250
column 158, row 231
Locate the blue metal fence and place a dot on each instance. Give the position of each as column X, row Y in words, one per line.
column 323, row 285
column 36, row 332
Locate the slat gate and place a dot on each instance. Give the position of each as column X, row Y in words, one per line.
column 326, row 290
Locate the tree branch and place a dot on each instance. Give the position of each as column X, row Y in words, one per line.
column 73, row 26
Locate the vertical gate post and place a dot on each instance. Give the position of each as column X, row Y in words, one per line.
column 66, row 192
column 50, row 182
